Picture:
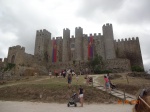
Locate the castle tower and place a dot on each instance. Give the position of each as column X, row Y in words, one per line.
column 78, row 44
column 109, row 41
column 16, row 54
column 66, row 45
column 41, row 44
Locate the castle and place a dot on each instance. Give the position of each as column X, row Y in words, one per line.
column 76, row 51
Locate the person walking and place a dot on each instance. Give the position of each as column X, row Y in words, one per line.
column 81, row 95
column 50, row 73
column 69, row 80
column 107, row 84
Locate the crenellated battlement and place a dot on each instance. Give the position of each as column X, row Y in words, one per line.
column 78, row 28
column 1, row 60
column 18, row 47
column 59, row 38
column 127, row 40
column 72, row 36
column 107, row 25
column 42, row 32
column 66, row 29
column 94, row 35
column 5, row 60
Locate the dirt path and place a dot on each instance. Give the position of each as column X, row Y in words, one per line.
column 13, row 106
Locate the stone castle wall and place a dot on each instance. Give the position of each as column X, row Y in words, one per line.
column 78, row 43
column 16, row 54
column 129, row 49
column 109, row 42
column 41, row 44
column 66, row 45
column 75, row 49
column 118, row 65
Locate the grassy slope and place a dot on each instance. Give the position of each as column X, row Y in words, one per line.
column 53, row 90
column 135, row 83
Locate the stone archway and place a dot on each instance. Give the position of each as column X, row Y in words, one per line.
column 13, row 59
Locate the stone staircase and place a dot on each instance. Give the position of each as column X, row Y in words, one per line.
column 117, row 93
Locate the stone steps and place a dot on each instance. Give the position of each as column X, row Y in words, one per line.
column 114, row 92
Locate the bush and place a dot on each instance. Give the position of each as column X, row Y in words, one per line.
column 9, row 66
column 137, row 69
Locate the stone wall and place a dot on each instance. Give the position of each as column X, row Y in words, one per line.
column 76, row 65
column 73, row 52
column 41, row 44
column 117, row 65
column 130, row 49
column 66, row 45
column 99, row 45
column 109, row 42
column 72, row 48
column 78, row 44
column 16, row 54
column 85, row 47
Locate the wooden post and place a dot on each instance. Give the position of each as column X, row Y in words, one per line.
column 127, row 79
column 92, row 81
column 124, row 96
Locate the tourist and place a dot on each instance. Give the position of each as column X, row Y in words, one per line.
column 107, row 84
column 87, row 79
column 81, row 95
column 77, row 78
column 50, row 73
column 143, row 101
column 64, row 73
column 56, row 73
column 73, row 73
column 69, row 80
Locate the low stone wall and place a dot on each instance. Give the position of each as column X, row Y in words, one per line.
column 118, row 65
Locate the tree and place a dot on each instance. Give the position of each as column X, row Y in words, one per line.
column 96, row 63
column 137, row 69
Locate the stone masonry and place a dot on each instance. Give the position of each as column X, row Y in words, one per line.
column 72, row 51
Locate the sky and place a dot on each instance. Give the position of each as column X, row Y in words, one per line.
column 20, row 19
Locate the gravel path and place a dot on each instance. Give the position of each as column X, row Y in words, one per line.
column 15, row 106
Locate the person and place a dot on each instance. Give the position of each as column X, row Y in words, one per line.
column 73, row 73
column 77, row 78
column 50, row 73
column 64, row 73
column 87, row 79
column 107, row 84
column 69, row 80
column 81, row 95
column 143, row 101
column 56, row 73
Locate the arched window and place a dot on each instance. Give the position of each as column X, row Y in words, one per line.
column 13, row 59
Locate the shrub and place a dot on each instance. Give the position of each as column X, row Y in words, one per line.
column 9, row 66
column 137, row 69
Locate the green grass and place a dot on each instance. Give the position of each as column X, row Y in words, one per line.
column 134, row 85
column 54, row 90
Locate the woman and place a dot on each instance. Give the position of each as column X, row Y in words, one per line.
column 107, row 83
column 81, row 95
column 69, row 80
column 50, row 74
column 143, row 102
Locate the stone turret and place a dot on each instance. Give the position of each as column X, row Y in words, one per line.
column 15, row 54
column 41, row 44
column 109, row 41
column 66, row 45
column 78, row 44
